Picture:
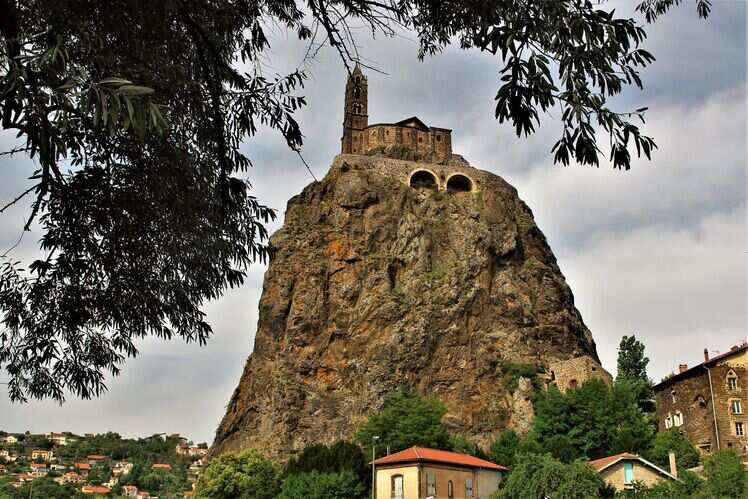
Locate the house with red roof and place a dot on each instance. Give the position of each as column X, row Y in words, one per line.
column 161, row 467
column 622, row 470
column 82, row 468
column 95, row 489
column 420, row 473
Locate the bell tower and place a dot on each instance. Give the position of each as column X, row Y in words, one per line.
column 356, row 113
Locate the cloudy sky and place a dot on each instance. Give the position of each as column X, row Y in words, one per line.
column 659, row 251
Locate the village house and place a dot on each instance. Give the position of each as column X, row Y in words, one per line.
column 122, row 468
column 129, row 491
column 83, row 468
column 143, row 494
column 71, row 477
column 96, row 459
column 58, row 438
column 161, row 467
column 623, row 470
column 420, row 473
column 11, row 439
column 39, row 469
column 44, row 455
column 95, row 489
column 4, row 454
column 707, row 402
column 58, row 467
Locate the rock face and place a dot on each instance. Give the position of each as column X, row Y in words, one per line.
column 377, row 285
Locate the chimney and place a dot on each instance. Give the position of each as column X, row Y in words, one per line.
column 682, row 368
column 706, row 355
column 673, row 466
column 734, row 348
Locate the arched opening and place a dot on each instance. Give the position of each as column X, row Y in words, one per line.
column 357, row 92
column 573, row 384
column 423, row 179
column 459, row 183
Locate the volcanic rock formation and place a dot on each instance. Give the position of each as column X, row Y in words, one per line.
column 390, row 274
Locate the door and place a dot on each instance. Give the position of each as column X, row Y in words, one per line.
column 628, row 473
column 397, row 487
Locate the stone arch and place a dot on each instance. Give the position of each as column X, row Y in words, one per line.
column 423, row 179
column 457, row 182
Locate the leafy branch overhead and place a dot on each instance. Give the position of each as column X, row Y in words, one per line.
column 136, row 112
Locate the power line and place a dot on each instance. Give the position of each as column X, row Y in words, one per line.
column 305, row 164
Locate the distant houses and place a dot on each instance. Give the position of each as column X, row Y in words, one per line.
column 41, row 454
column 185, row 449
column 161, row 467
column 96, row 489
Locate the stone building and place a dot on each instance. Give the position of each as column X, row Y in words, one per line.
column 569, row 374
column 706, row 402
column 359, row 137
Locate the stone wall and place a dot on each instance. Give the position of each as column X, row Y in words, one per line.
column 437, row 141
column 569, row 374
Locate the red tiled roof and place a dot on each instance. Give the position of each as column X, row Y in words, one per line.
column 96, row 457
column 83, row 466
column 438, row 456
column 160, row 466
column 604, row 462
column 95, row 489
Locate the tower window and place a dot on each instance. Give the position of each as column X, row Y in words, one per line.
column 438, row 138
column 358, row 80
column 357, row 92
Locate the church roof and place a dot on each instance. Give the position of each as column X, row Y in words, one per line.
column 413, row 120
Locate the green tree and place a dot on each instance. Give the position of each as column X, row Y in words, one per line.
column 316, row 485
column 407, row 419
column 147, row 103
column 502, row 450
column 542, row 476
column 632, row 369
column 340, row 456
column 596, row 419
column 725, row 474
column 686, row 454
column 247, row 475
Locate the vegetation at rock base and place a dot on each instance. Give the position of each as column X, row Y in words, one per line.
column 536, row 476
column 595, row 419
column 316, row 485
column 726, row 475
column 145, row 102
column 247, row 475
column 406, row 419
column 337, row 458
column 686, row 455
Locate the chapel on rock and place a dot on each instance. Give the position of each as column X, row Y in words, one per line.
column 359, row 137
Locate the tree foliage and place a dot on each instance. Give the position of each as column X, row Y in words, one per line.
column 632, row 369
column 247, row 475
column 726, row 475
column 541, row 476
column 339, row 457
column 407, row 419
column 594, row 419
column 135, row 113
column 686, row 455
column 316, row 485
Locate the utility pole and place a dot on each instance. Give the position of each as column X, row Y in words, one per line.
column 373, row 469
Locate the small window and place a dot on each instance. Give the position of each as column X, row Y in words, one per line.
column 438, row 138
column 397, row 487
column 420, row 139
column 678, row 419
column 430, row 484
column 357, row 92
column 736, row 406
column 669, row 421
column 468, row 488
column 628, row 473
column 732, row 381
column 386, row 132
column 739, row 429
column 673, row 395
column 358, row 80
column 450, row 489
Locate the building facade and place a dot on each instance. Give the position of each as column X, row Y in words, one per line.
column 359, row 137
column 420, row 473
column 622, row 471
column 707, row 402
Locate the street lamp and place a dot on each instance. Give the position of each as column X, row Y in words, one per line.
column 373, row 470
